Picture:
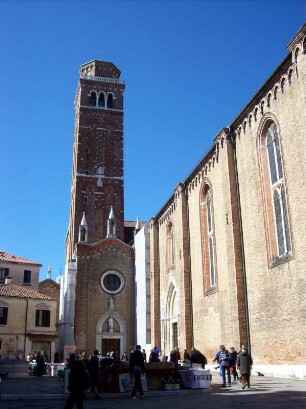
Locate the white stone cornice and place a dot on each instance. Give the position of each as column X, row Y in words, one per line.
column 83, row 175
column 102, row 79
column 101, row 108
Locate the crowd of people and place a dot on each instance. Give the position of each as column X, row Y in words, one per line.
column 230, row 361
column 85, row 373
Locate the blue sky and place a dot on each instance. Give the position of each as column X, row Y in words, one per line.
column 189, row 66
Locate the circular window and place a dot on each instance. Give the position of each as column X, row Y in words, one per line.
column 112, row 282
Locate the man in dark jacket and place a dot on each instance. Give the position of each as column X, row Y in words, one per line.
column 137, row 367
column 197, row 357
column 244, row 364
column 94, row 371
column 77, row 383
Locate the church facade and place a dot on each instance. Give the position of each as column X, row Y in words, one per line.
column 228, row 248
column 222, row 262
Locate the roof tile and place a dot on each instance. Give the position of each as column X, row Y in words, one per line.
column 11, row 258
column 11, row 290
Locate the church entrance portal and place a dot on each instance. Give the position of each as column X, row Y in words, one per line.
column 110, row 345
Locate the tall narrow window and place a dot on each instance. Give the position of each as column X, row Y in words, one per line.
column 27, row 277
column 208, row 239
column 277, row 221
column 93, row 99
column 101, row 102
column 109, row 100
column 170, row 246
column 3, row 315
column 278, row 191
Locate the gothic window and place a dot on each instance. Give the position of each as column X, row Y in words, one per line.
column 101, row 102
column 208, row 238
column 169, row 246
column 109, row 100
column 275, row 195
column 93, row 99
column 83, row 234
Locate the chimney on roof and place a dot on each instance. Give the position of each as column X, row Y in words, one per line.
column 8, row 280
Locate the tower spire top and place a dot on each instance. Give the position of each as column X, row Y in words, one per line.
column 49, row 271
column 111, row 224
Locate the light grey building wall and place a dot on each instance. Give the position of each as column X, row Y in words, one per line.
column 142, row 281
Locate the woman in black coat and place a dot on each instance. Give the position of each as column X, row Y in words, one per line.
column 244, row 364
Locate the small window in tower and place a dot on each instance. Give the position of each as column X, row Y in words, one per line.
column 83, row 234
column 101, row 102
column 93, row 99
column 109, row 100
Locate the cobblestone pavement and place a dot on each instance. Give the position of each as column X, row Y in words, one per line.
column 265, row 393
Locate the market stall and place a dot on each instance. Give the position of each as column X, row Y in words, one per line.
column 117, row 378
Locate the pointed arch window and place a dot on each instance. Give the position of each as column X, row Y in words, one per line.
column 170, row 246
column 208, row 239
column 278, row 231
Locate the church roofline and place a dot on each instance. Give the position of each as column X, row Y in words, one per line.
column 51, row 281
column 267, row 84
column 255, row 99
column 87, row 249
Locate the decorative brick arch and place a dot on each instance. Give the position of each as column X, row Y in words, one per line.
column 118, row 332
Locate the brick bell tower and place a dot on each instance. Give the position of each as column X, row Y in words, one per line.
column 99, row 264
column 97, row 173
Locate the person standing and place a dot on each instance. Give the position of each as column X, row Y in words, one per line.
column 94, row 372
column 40, row 364
column 244, row 364
column 78, row 382
column 186, row 356
column 153, row 356
column 223, row 359
column 233, row 355
column 136, row 368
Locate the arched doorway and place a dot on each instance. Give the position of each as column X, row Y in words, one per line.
column 170, row 321
column 111, row 334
